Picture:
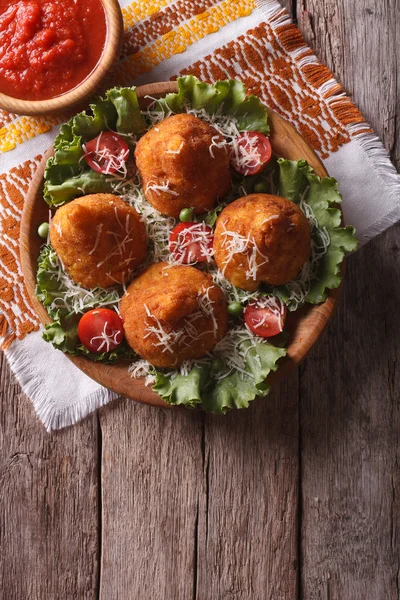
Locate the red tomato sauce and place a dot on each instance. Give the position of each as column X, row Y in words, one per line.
column 48, row 47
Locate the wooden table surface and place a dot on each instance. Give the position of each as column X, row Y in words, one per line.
column 297, row 497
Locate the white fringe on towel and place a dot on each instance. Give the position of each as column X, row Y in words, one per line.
column 52, row 382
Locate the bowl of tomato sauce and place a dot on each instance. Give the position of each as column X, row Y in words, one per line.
column 55, row 53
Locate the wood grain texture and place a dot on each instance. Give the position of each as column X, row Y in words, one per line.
column 350, row 400
column 49, row 536
column 350, row 440
column 180, row 496
column 247, row 533
column 151, row 477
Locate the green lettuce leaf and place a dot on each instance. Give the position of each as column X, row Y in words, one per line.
column 64, row 337
column 185, row 390
column 86, row 182
column 200, row 387
column 228, row 97
column 67, row 176
column 129, row 117
column 299, row 181
column 63, row 332
column 236, row 390
column 292, row 178
column 100, row 116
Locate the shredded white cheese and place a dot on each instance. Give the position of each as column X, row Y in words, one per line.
column 156, row 187
column 195, row 239
column 108, row 340
column 74, row 298
column 233, row 243
column 105, row 161
column 142, row 368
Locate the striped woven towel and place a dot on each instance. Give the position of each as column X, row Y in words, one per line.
column 251, row 40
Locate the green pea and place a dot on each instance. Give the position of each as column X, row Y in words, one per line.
column 261, row 187
column 235, row 309
column 43, row 230
column 186, row 215
column 217, row 364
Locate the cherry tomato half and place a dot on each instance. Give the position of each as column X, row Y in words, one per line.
column 106, row 153
column 252, row 153
column 100, row 330
column 265, row 317
column 191, row 242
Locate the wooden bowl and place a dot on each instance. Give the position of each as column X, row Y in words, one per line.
column 305, row 325
column 81, row 92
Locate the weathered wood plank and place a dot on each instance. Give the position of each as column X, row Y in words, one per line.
column 48, row 503
column 350, row 401
column 247, row 546
column 350, row 424
column 151, row 475
column 358, row 41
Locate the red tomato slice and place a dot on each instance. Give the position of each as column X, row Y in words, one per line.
column 191, row 242
column 252, row 153
column 106, row 153
column 100, row 330
column 265, row 317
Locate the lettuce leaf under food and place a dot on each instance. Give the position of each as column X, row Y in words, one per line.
column 63, row 332
column 215, row 395
column 64, row 337
column 237, row 390
column 86, row 182
column 302, row 185
column 183, row 390
column 100, row 116
column 129, row 117
column 227, row 97
column 67, row 176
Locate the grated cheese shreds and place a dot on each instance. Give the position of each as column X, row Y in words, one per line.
column 99, row 229
column 230, row 350
column 320, row 241
column 73, row 298
column 142, row 368
column 234, row 243
column 108, row 341
column 232, row 293
column 206, row 307
column 177, row 151
column 245, row 156
column 158, row 227
column 156, row 187
column 199, row 236
column 105, row 161
column 188, row 333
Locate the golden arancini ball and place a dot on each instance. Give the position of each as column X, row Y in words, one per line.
column 172, row 314
column 181, row 165
column 99, row 238
column 261, row 238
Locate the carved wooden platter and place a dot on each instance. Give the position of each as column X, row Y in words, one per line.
column 304, row 326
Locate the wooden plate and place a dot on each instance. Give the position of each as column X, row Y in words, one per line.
column 305, row 325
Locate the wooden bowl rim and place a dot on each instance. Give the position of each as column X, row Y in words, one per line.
column 111, row 51
column 114, row 376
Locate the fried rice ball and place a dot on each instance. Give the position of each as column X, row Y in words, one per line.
column 181, row 165
column 99, row 238
column 261, row 238
column 172, row 314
